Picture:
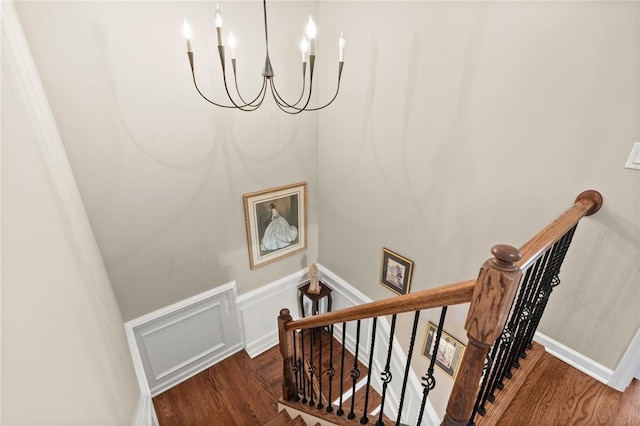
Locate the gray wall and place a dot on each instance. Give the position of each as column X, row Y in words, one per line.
column 161, row 172
column 460, row 125
column 65, row 358
column 464, row 125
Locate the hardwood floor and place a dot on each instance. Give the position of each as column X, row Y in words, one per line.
column 557, row 394
column 242, row 391
column 231, row 392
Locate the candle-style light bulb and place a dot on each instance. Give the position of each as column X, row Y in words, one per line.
column 304, row 45
column 186, row 29
column 232, row 45
column 341, row 45
column 218, row 21
column 311, row 34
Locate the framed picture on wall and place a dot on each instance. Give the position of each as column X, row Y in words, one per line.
column 449, row 353
column 396, row 272
column 276, row 222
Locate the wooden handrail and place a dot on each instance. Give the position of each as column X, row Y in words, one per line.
column 452, row 294
column 586, row 204
column 491, row 296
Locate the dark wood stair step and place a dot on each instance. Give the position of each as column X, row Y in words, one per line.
column 281, row 419
column 298, row 421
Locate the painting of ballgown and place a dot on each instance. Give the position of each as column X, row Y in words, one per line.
column 279, row 233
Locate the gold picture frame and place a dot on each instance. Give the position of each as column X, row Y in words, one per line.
column 396, row 272
column 450, row 350
column 276, row 222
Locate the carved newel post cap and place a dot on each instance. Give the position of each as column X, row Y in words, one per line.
column 284, row 312
column 506, row 255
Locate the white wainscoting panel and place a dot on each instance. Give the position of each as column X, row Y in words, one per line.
column 177, row 342
column 259, row 310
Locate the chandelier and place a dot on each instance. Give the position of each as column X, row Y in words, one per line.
column 307, row 46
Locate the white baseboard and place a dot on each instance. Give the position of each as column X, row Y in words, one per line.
column 628, row 367
column 176, row 342
column 146, row 415
column 619, row 379
column 574, row 358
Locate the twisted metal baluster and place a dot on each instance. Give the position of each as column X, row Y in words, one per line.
column 302, row 368
column 428, row 380
column 364, row 419
column 553, row 282
column 312, row 369
column 330, row 372
column 296, row 366
column 355, row 373
column 340, row 411
column 386, row 374
column 478, row 408
column 406, row 370
column 320, row 405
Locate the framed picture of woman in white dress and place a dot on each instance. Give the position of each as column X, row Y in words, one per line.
column 276, row 221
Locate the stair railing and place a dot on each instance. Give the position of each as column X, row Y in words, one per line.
column 492, row 306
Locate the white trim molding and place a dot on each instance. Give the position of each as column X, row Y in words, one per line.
column 174, row 343
column 575, row 359
column 259, row 310
column 628, row 367
column 619, row 379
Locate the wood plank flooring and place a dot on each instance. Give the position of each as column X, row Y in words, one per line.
column 242, row 391
column 557, row 394
column 231, row 392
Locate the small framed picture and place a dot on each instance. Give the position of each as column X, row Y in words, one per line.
column 449, row 353
column 276, row 221
column 396, row 272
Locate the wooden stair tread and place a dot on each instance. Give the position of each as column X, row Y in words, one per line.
column 280, row 419
column 298, row 421
column 496, row 409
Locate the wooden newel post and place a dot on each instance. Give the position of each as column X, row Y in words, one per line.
column 492, row 298
column 286, row 350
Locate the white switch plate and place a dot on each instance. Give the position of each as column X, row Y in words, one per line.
column 634, row 158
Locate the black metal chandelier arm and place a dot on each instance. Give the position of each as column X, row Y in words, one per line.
column 335, row 95
column 280, row 99
column 285, row 107
column 246, row 106
column 204, row 97
column 259, row 96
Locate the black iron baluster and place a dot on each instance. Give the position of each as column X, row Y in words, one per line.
column 340, row 411
column 355, row 373
column 364, row 420
column 386, row 374
column 553, row 281
column 296, row 366
column 406, row 370
column 477, row 409
column 312, row 369
column 330, row 372
column 428, row 380
column 319, row 375
column 303, row 375
column 506, row 345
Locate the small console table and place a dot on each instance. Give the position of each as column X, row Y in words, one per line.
column 303, row 291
